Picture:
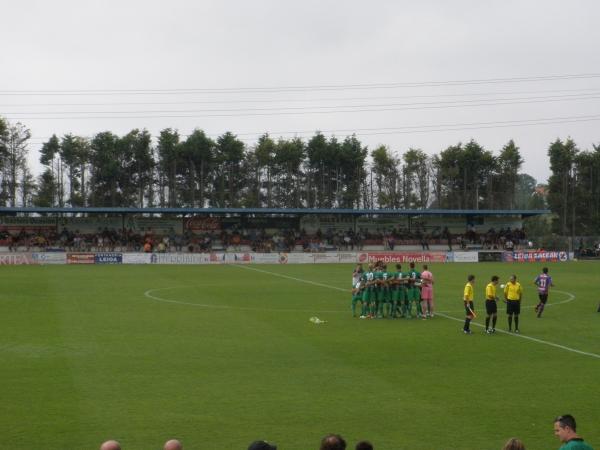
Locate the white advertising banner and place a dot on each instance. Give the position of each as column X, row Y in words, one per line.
column 265, row 258
column 296, row 258
column 462, row 257
column 137, row 258
column 15, row 259
column 348, row 257
column 50, row 257
column 321, row 258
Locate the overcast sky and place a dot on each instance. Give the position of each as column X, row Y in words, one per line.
column 382, row 69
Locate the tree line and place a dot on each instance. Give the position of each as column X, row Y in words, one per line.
column 135, row 170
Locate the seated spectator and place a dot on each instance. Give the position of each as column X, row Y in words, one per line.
column 333, row 442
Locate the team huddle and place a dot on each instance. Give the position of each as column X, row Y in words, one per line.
column 393, row 294
column 513, row 293
column 396, row 294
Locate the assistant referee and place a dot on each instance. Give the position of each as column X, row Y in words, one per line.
column 512, row 294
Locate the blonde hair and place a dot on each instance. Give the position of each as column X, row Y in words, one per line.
column 514, row 444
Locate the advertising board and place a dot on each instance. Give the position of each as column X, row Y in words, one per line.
column 536, row 256
column 490, row 256
column 403, row 257
column 49, row 257
column 108, row 258
column 14, row 259
column 137, row 258
column 463, row 257
column 81, row 258
column 325, row 258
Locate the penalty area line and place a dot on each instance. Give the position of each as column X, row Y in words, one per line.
column 456, row 319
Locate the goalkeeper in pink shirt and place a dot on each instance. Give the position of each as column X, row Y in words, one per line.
column 427, row 305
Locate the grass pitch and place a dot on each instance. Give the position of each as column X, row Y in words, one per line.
column 219, row 356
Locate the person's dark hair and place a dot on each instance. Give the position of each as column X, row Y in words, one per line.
column 364, row 445
column 398, row 266
column 495, row 278
column 425, row 266
column 412, row 265
column 333, row 442
column 545, row 270
column 471, row 277
column 566, row 420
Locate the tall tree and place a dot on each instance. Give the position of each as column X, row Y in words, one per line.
column 75, row 153
column 288, row 158
column 509, row 163
column 51, row 182
column 264, row 157
column 561, row 183
column 13, row 144
column 229, row 179
column 353, row 171
column 416, row 179
column 385, row 171
column 107, row 170
column 137, row 164
column 198, row 151
column 169, row 158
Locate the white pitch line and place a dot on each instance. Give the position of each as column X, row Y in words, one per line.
column 530, row 338
column 293, row 278
column 149, row 294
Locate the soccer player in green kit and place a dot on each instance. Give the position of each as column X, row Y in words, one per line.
column 398, row 292
column 368, row 282
column 384, row 288
column 356, row 296
column 413, row 293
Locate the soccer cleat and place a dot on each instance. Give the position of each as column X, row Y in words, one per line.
column 488, row 331
column 467, row 332
column 517, row 331
column 493, row 330
column 362, row 317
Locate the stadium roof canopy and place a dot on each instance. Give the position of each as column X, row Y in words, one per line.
column 274, row 211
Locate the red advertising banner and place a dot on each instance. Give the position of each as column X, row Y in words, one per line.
column 202, row 224
column 403, row 257
column 80, row 258
column 15, row 259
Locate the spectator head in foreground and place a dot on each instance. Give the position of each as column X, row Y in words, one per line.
column 261, row 445
column 110, row 445
column 364, row 445
column 514, row 444
column 333, row 442
column 173, row 444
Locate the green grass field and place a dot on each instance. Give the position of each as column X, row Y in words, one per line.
column 219, row 356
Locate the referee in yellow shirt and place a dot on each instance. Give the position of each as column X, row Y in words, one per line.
column 512, row 294
column 468, row 300
column 491, row 307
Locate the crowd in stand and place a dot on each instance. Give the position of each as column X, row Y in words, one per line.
column 259, row 240
column 565, row 429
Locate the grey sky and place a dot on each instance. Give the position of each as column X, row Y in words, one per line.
column 152, row 45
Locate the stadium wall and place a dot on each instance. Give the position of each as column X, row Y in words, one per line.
column 100, row 258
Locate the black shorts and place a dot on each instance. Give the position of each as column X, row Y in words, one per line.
column 491, row 307
column 543, row 297
column 467, row 306
column 513, row 307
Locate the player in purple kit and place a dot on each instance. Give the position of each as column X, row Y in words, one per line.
column 543, row 282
